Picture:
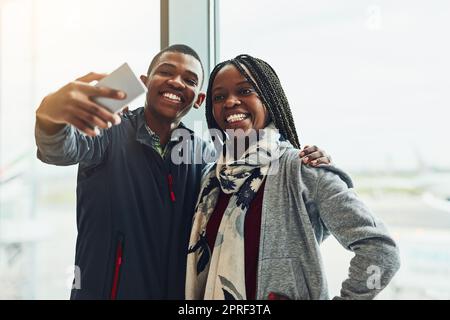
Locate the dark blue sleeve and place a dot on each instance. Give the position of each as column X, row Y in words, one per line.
column 69, row 146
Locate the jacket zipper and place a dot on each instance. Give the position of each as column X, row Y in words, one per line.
column 170, row 182
column 117, row 266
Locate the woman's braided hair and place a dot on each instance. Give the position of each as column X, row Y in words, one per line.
column 267, row 85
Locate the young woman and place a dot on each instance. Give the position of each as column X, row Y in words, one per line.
column 262, row 214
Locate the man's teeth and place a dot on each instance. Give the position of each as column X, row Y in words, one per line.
column 236, row 117
column 171, row 96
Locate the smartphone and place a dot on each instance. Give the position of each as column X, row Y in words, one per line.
column 124, row 79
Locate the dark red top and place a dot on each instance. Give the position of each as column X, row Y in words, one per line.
column 252, row 228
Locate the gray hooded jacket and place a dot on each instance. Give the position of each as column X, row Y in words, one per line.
column 302, row 205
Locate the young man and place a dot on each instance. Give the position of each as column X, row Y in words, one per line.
column 134, row 205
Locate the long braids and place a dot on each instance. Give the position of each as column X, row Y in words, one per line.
column 268, row 86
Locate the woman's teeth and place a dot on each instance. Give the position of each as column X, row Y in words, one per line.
column 236, row 117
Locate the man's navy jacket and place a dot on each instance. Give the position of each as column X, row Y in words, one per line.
column 134, row 208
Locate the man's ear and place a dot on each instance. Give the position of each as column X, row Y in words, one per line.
column 201, row 97
column 144, row 79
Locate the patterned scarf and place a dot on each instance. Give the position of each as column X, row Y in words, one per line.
column 222, row 276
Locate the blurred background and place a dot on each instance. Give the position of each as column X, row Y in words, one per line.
column 367, row 82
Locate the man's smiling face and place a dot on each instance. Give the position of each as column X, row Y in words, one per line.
column 174, row 86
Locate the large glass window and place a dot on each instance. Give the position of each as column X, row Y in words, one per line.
column 368, row 82
column 45, row 44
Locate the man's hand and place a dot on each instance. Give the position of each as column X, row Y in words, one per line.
column 314, row 156
column 72, row 104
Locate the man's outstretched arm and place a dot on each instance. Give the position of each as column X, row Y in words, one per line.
column 68, row 109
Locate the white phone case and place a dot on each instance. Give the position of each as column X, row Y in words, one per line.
column 124, row 79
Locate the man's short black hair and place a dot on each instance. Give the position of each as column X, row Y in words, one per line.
column 181, row 48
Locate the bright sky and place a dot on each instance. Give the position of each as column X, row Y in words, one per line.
column 367, row 80
column 61, row 41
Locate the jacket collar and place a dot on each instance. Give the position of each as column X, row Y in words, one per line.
column 142, row 134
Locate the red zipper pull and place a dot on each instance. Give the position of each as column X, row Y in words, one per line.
column 276, row 296
column 119, row 254
column 170, row 181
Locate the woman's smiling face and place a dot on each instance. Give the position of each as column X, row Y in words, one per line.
column 236, row 104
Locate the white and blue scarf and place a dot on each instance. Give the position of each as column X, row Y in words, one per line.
column 222, row 276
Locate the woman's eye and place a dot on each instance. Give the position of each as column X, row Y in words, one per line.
column 218, row 97
column 245, row 91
